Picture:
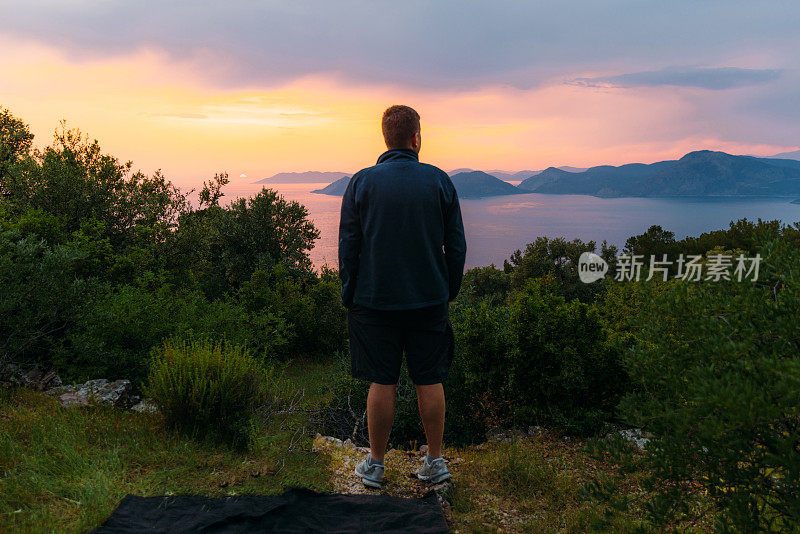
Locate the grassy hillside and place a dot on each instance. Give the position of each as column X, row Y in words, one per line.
column 65, row 470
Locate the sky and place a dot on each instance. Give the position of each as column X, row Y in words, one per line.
column 259, row 87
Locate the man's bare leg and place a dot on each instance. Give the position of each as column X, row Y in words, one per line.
column 430, row 400
column 380, row 416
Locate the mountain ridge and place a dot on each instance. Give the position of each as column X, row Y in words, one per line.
column 302, row 177
column 478, row 184
column 473, row 184
column 336, row 188
column 701, row 173
column 697, row 173
column 794, row 154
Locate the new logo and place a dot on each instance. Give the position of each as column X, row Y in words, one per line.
column 591, row 267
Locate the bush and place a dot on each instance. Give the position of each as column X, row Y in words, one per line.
column 116, row 334
column 558, row 258
column 485, row 283
column 40, row 297
column 536, row 361
column 219, row 248
column 479, row 389
column 313, row 318
column 716, row 380
column 208, row 389
column 563, row 370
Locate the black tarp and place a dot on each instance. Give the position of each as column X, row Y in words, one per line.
column 297, row 510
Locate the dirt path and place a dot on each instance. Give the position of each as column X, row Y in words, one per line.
column 399, row 479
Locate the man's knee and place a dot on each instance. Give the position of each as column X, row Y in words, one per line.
column 383, row 387
column 430, row 388
column 382, row 393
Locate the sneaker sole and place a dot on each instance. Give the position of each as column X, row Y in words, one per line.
column 436, row 480
column 368, row 483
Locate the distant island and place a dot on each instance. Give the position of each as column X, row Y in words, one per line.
column 795, row 154
column 473, row 184
column 699, row 173
column 703, row 173
column 302, row 177
column 478, row 184
column 514, row 176
column 336, row 188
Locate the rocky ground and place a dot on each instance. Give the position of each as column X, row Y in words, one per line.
column 101, row 391
column 399, row 479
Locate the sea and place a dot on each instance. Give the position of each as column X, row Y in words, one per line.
column 497, row 226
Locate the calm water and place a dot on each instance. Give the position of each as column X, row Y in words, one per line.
column 497, row 226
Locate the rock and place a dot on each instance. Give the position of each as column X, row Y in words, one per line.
column 441, row 489
column 117, row 393
column 47, row 380
column 535, row 430
column 423, row 449
column 33, row 378
column 635, row 436
column 331, row 440
column 68, row 400
column 145, row 406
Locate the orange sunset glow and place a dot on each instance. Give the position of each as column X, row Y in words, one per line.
column 182, row 114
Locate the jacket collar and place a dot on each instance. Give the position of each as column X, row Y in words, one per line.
column 397, row 154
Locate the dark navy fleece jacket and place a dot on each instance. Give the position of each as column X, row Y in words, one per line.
column 401, row 238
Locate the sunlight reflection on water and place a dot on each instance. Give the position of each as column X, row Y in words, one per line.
column 497, row 226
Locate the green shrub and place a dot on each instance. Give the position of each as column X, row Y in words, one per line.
column 558, row 258
column 207, row 389
column 314, row 320
column 115, row 335
column 716, row 380
column 479, row 390
column 537, row 361
column 564, row 373
column 219, row 248
column 40, row 297
column 485, row 283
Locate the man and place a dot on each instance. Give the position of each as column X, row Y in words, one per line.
column 401, row 260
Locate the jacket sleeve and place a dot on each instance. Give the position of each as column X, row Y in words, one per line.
column 455, row 244
column 349, row 244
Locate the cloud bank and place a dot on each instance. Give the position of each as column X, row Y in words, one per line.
column 447, row 44
column 715, row 78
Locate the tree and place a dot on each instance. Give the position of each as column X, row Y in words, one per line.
column 716, row 380
column 655, row 241
column 212, row 190
column 15, row 143
column 220, row 248
column 489, row 283
column 558, row 258
column 39, row 297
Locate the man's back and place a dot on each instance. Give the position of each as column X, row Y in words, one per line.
column 401, row 238
column 401, row 260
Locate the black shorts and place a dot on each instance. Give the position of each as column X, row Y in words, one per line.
column 378, row 339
